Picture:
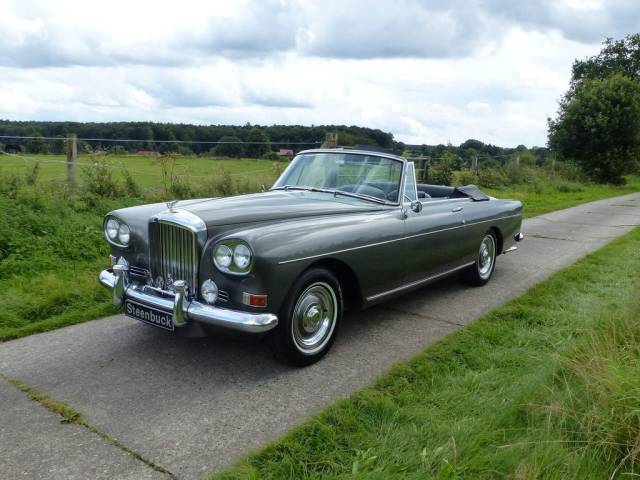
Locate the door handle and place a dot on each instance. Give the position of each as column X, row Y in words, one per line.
column 456, row 209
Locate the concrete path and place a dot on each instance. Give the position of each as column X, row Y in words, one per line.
column 192, row 406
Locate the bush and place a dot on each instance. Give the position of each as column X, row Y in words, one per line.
column 465, row 177
column 99, row 179
column 567, row 186
column 118, row 150
column 272, row 156
column 441, row 174
column 492, row 177
column 33, row 174
column 219, row 186
column 180, row 189
column 131, row 187
column 229, row 147
column 184, row 151
column 518, row 174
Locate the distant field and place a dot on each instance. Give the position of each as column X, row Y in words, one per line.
column 148, row 171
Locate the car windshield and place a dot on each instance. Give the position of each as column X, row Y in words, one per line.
column 366, row 176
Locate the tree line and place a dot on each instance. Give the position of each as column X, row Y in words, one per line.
column 236, row 141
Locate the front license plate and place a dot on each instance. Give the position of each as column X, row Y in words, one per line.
column 148, row 315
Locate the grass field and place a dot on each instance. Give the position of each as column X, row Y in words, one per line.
column 547, row 386
column 148, row 172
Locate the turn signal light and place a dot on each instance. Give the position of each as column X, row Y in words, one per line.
column 254, row 300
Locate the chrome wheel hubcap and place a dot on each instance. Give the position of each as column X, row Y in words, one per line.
column 486, row 256
column 314, row 318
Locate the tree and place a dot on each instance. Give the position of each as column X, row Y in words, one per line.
column 598, row 127
column 229, row 146
column 257, row 143
column 616, row 56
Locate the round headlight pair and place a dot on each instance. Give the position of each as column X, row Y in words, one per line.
column 232, row 256
column 117, row 232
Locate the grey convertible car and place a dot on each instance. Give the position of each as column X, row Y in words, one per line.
column 339, row 229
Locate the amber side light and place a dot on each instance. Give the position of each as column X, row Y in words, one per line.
column 254, row 300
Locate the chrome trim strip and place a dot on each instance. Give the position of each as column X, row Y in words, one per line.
column 417, row 282
column 282, row 262
column 196, row 311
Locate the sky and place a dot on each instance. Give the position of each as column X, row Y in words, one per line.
column 428, row 71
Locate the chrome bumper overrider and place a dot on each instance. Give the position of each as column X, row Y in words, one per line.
column 183, row 310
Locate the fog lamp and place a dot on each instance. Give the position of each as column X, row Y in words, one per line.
column 209, row 291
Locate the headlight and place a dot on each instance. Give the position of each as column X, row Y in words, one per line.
column 117, row 232
column 233, row 256
column 111, row 228
column 124, row 234
column 242, row 256
column 222, row 257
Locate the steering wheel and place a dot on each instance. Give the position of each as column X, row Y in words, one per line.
column 392, row 195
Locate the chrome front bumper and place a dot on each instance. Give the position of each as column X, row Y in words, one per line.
column 182, row 309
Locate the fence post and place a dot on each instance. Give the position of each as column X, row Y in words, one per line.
column 425, row 172
column 331, row 140
column 72, row 156
column 474, row 163
column 517, row 160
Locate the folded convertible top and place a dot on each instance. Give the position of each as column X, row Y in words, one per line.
column 469, row 191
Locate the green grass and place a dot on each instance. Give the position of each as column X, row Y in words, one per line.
column 51, row 249
column 547, row 386
column 148, row 172
column 538, row 200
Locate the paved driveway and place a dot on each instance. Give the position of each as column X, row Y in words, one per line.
column 192, row 406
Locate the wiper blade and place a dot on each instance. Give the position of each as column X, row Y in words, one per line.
column 291, row 187
column 363, row 196
column 304, row 188
column 334, row 192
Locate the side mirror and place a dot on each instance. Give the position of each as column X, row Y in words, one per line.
column 416, row 206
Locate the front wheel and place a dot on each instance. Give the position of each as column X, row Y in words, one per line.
column 309, row 319
column 480, row 272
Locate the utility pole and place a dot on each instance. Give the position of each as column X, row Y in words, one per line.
column 72, row 156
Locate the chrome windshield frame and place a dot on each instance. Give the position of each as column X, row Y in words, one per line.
column 342, row 151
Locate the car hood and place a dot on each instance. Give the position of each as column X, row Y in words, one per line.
column 273, row 205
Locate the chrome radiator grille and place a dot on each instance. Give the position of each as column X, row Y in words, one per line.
column 175, row 255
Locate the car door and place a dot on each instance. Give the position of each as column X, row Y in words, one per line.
column 434, row 234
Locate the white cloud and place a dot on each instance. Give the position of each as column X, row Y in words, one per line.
column 428, row 71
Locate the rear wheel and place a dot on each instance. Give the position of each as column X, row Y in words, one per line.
column 309, row 319
column 481, row 271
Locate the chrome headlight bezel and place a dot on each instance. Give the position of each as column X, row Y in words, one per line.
column 122, row 228
column 234, row 267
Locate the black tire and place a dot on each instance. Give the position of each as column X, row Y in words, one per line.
column 309, row 319
column 480, row 273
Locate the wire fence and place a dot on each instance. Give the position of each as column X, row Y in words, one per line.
column 157, row 140
column 165, row 169
column 175, row 169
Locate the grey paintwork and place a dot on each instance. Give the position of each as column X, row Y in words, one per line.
column 379, row 250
